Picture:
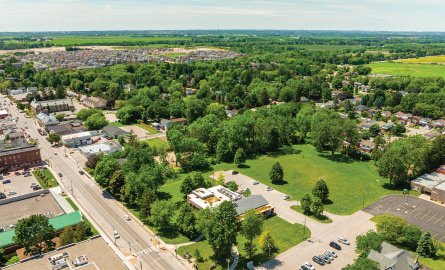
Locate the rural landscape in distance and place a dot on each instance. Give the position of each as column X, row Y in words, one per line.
column 239, row 135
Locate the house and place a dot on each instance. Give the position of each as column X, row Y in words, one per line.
column 438, row 193
column 441, row 169
column 386, row 126
column 425, row 122
column 19, row 158
column 3, row 114
column 45, row 120
column 386, row 114
column 100, row 148
column 231, row 113
column 65, row 128
column 78, row 139
column 51, row 106
column 440, row 123
column 256, row 202
column 393, row 258
column 403, row 117
column 338, row 94
column 190, row 91
column 427, row 182
column 361, row 108
column 21, row 98
column 304, row 99
column 32, row 89
column 17, row 91
column 366, row 146
column 114, row 132
column 165, row 123
column 95, row 102
column 415, row 119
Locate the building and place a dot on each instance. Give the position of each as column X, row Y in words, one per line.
column 439, row 123
column 45, row 120
column 20, row 98
column 51, row 106
column 114, row 132
column 3, row 114
column 393, row 258
column 366, row 146
column 441, row 169
column 19, row 158
column 78, row 139
column 95, row 102
column 427, row 182
column 438, row 193
column 166, row 123
column 65, row 128
column 386, row 126
column 256, row 202
column 17, row 91
column 100, row 148
column 431, row 135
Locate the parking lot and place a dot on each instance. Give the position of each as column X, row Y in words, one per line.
column 427, row 215
column 10, row 213
column 100, row 257
column 18, row 184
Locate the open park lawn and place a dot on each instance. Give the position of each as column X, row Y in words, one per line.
column 408, row 69
column 285, row 235
column 157, row 143
column 347, row 179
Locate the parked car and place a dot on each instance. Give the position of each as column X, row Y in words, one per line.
column 335, row 245
column 37, row 187
column 328, row 254
column 303, row 267
column 343, row 241
column 7, row 181
column 325, row 258
column 269, row 189
column 286, row 197
column 81, row 172
column 235, row 172
column 255, row 182
column 32, row 185
column 116, row 235
column 59, row 174
column 2, row 196
column 17, row 173
column 1, row 177
column 309, row 266
column 12, row 193
column 318, row 260
column 333, row 254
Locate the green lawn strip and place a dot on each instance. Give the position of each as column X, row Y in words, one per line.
column 285, row 235
column 408, row 69
column 50, row 179
column 148, row 128
column 116, row 124
column 157, row 143
column 347, row 179
column 93, row 229
column 322, row 218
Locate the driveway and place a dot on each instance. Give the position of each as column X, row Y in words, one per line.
column 321, row 233
column 427, row 215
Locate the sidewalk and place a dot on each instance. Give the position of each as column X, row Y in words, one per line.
column 61, row 201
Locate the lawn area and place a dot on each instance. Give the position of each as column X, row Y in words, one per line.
column 116, row 124
column 93, row 229
column 157, row 143
column 172, row 188
column 148, row 128
column 437, row 263
column 46, row 179
column 408, row 69
column 285, row 235
column 347, row 179
column 322, row 218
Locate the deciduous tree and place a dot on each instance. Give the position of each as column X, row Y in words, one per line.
column 251, row 227
column 35, row 234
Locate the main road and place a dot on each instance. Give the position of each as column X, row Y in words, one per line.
column 135, row 242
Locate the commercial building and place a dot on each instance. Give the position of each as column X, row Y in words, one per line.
column 19, row 158
column 66, row 127
column 438, row 193
column 427, row 182
column 78, row 139
column 256, row 202
column 51, row 106
column 3, row 114
column 95, row 102
column 100, row 148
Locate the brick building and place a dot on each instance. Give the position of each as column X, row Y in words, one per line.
column 19, row 158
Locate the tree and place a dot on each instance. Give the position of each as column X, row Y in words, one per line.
column 117, row 182
column 240, row 157
column 317, row 207
column 374, row 130
column 363, row 264
column 425, row 246
column 92, row 161
column 161, row 215
column 367, row 242
column 105, row 169
column 186, row 221
column 187, row 186
column 397, row 231
column 251, row 227
column 220, row 179
column 35, row 234
column 60, row 117
column 321, row 190
column 398, row 129
column 2, row 257
column 74, row 234
column 232, row 185
column 303, row 119
column 198, row 181
column 306, row 202
column 221, row 232
column 266, row 242
column 327, row 131
column 95, row 121
column 276, row 173
column 129, row 114
column 54, row 137
column 83, row 114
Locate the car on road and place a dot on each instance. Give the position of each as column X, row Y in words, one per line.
column 37, row 187
column 269, row 189
column 12, row 193
column 6, row 173
column 309, row 266
column 286, row 197
column 55, row 153
column 81, row 172
column 235, row 172
column 255, row 182
column 335, row 245
column 17, row 173
column 60, row 174
column 318, row 260
column 343, row 241
column 127, row 217
column 333, row 254
column 116, row 235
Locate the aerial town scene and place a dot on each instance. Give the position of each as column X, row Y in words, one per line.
column 234, row 135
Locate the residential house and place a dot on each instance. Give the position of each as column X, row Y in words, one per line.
column 441, row 169
column 386, row 114
column 231, row 113
column 3, row 114
column 361, row 108
column 190, row 91
column 45, row 120
column 425, row 122
column 66, row 127
column 51, row 106
column 386, row 127
column 21, row 98
column 440, row 123
column 114, row 132
column 18, row 91
column 95, row 102
column 366, row 146
column 404, row 117
column 431, row 135
column 339, row 94
column 393, row 258
column 415, row 120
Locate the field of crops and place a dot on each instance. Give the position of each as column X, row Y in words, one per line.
column 408, row 69
column 438, row 59
column 110, row 40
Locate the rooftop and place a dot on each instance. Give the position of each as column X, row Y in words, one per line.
column 248, row 203
column 77, row 135
column 430, row 179
column 104, row 147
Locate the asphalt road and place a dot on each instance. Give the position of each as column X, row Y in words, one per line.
column 98, row 205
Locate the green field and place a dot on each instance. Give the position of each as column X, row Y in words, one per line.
column 347, row 179
column 408, row 69
column 439, row 59
column 285, row 235
column 111, row 40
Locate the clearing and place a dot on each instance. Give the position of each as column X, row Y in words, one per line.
column 408, row 69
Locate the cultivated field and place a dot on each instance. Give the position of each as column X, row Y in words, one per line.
column 110, row 40
column 408, row 69
column 437, row 59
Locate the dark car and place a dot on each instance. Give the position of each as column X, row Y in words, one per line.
column 235, row 172
column 318, row 260
column 60, row 174
column 6, row 181
column 335, row 245
column 325, row 258
column 81, row 172
column 2, row 196
column 36, row 188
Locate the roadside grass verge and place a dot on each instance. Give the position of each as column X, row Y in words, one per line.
column 319, row 218
column 45, row 178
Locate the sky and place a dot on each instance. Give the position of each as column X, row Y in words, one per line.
column 81, row 15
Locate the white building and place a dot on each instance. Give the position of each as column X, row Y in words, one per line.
column 78, row 139
column 211, row 197
column 100, row 148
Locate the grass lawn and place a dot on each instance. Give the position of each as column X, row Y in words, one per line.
column 148, row 128
column 322, row 218
column 47, row 181
column 285, row 235
column 347, row 179
column 437, row 263
column 116, row 124
column 93, row 229
column 408, row 69
column 172, row 189
column 157, row 143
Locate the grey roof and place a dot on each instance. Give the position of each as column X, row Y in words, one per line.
column 429, row 179
column 114, row 131
column 248, row 203
column 393, row 258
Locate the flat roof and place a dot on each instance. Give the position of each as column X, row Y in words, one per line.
column 99, row 147
column 440, row 186
column 77, row 135
column 18, row 150
column 248, row 203
column 429, row 179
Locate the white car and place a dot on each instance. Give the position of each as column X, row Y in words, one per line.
column 127, row 217
column 12, row 193
column 308, row 265
column 333, row 254
column 286, row 197
column 343, row 241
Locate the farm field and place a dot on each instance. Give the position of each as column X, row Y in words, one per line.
column 438, row 59
column 110, row 40
column 347, row 179
column 279, row 229
column 408, row 69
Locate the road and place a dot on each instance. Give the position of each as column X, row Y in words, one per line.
column 103, row 210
